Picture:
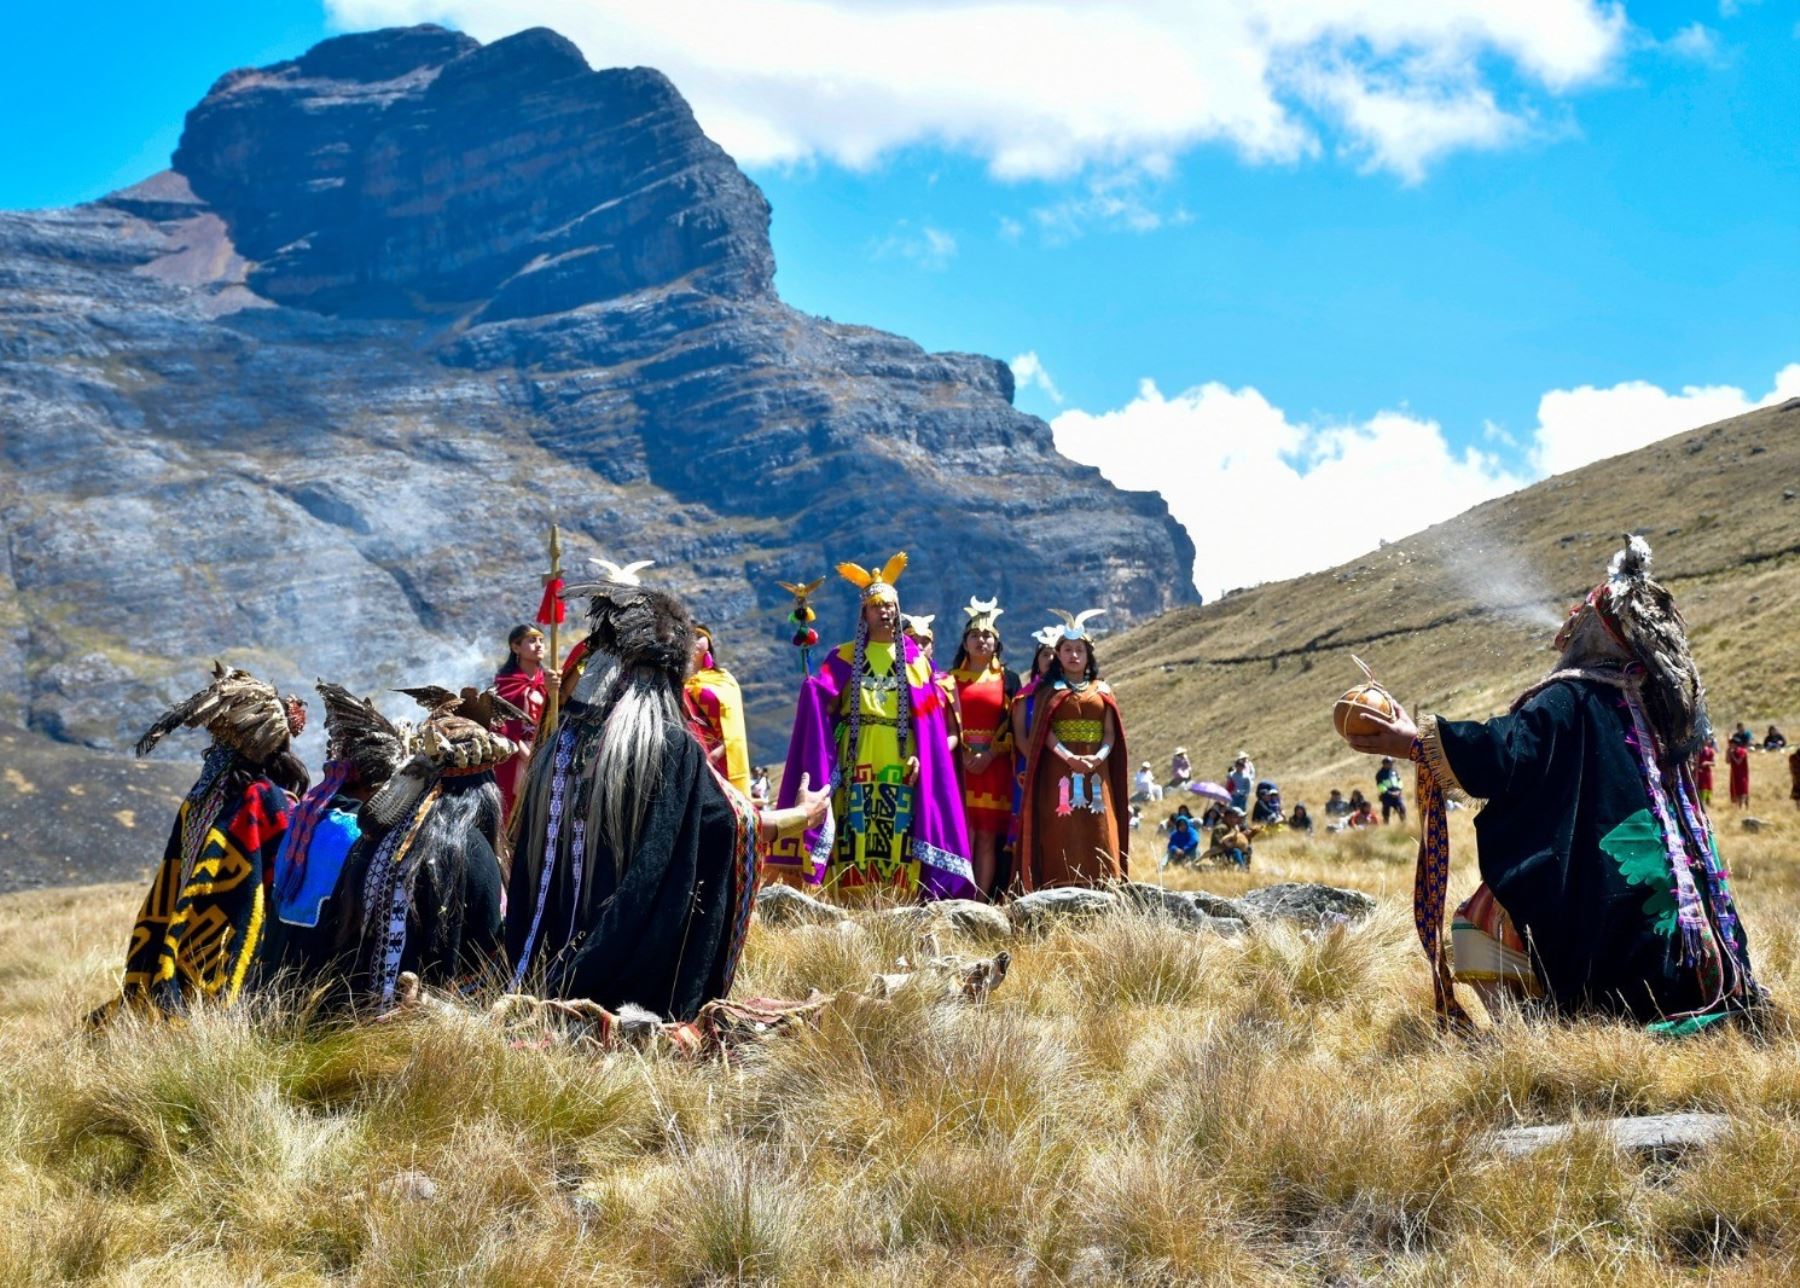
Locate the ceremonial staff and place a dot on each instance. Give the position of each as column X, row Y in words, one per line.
column 552, row 612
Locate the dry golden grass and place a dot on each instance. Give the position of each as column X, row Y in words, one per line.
column 1136, row 1104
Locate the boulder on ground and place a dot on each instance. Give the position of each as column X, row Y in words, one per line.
column 780, row 905
column 972, row 918
column 1184, row 907
column 1308, row 903
column 1042, row 907
column 1658, row 1136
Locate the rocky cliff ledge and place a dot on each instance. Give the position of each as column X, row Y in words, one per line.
column 311, row 397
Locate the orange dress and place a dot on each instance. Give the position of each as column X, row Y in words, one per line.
column 1073, row 826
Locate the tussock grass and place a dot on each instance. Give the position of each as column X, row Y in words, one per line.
column 1136, row 1105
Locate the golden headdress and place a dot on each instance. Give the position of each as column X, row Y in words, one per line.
column 984, row 614
column 878, row 584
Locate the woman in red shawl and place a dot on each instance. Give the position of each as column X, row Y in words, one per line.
column 1704, row 760
column 524, row 681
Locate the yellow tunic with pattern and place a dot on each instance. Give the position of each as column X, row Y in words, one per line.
column 874, row 806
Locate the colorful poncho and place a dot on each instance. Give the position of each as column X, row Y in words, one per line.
column 933, row 856
column 200, row 930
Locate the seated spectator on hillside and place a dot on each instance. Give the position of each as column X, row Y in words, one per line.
column 1184, row 838
column 1742, row 737
column 1137, row 818
column 1231, row 838
column 1144, row 786
column 1181, row 769
column 1363, row 815
column 1300, row 820
column 759, row 785
column 1336, row 806
column 1210, row 816
column 1794, row 773
column 1239, row 782
column 1774, row 740
column 1267, row 810
column 1388, row 787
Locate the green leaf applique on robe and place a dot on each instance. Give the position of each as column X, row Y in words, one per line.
column 1636, row 846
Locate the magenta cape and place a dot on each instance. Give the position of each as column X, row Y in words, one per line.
column 939, row 838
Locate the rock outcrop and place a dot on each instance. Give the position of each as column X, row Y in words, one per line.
column 311, row 398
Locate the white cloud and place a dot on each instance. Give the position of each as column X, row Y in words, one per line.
column 1576, row 426
column 1119, row 201
column 930, row 248
column 1695, row 41
column 1047, row 90
column 1265, row 497
column 1028, row 372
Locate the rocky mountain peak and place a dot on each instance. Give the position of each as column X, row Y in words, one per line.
column 417, row 173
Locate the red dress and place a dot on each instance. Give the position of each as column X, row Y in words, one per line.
column 987, row 796
column 1703, row 776
column 1739, row 760
column 529, row 694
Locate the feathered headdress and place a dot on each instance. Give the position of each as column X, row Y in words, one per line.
column 457, row 736
column 984, row 615
column 875, row 585
column 1074, row 626
column 1048, row 636
column 241, row 712
column 1640, row 613
column 360, row 737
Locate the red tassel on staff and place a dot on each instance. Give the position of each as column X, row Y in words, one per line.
column 552, row 611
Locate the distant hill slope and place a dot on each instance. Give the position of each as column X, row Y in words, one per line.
column 1459, row 617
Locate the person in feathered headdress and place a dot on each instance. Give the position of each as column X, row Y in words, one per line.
column 421, row 889
column 984, row 690
column 1074, row 819
column 873, row 723
column 1603, row 890
column 363, row 749
column 636, row 866
column 200, row 933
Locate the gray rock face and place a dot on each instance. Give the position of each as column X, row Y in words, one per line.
column 1308, row 903
column 1191, row 909
column 312, row 398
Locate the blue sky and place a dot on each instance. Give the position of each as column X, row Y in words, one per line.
column 1467, row 249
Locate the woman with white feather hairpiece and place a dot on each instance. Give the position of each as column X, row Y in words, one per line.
column 1074, row 819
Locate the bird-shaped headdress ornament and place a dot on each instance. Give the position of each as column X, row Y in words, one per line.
column 984, row 614
column 878, row 584
column 241, row 712
column 801, row 618
column 1048, row 636
column 1075, row 625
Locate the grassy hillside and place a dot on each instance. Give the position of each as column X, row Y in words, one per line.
column 1136, row 1104
column 1459, row 618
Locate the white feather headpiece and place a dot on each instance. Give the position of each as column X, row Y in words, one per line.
column 1075, row 625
